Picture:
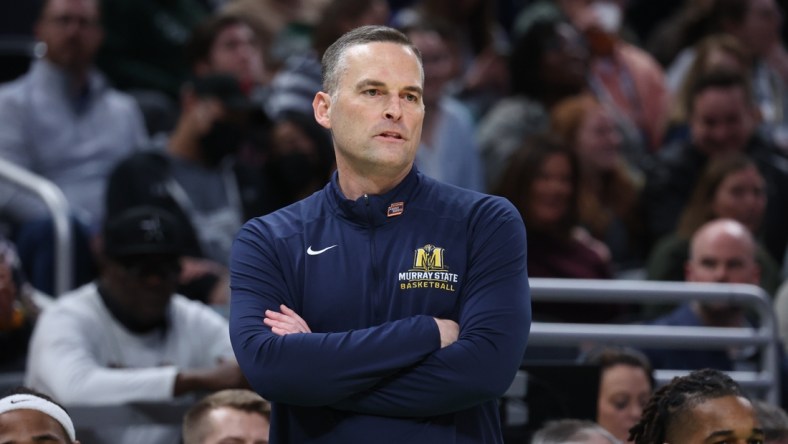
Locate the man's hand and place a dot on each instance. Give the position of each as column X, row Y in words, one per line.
column 449, row 331
column 286, row 322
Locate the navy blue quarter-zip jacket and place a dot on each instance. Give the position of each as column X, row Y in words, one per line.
column 368, row 276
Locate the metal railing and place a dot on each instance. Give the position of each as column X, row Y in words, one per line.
column 766, row 379
column 58, row 207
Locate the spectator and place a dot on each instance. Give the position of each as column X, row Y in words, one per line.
column 228, row 45
column 756, row 25
column 62, row 120
column 541, row 181
column 29, row 416
column 448, row 150
column 721, row 251
column 146, row 39
column 703, row 406
column 300, row 161
column 283, row 27
column 773, row 420
column 197, row 179
column 609, row 187
column 477, row 48
column 547, row 64
column 722, row 120
column 233, row 415
column 715, row 52
column 20, row 305
column 625, row 76
column 624, row 388
column 295, row 85
column 128, row 337
column 575, row 431
column 729, row 187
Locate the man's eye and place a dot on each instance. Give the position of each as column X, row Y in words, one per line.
column 372, row 92
column 411, row 98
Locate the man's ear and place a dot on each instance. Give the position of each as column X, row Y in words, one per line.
column 322, row 107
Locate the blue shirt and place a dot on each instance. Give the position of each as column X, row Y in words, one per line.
column 368, row 276
column 72, row 140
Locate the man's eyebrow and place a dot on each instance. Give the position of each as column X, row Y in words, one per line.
column 378, row 84
column 755, row 431
column 369, row 82
column 417, row 89
column 46, row 437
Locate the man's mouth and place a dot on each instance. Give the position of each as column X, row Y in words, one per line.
column 390, row 135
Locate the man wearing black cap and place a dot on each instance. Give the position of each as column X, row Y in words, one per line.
column 197, row 178
column 128, row 337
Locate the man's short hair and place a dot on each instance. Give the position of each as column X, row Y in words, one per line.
column 718, row 78
column 570, row 431
column 194, row 424
column 333, row 59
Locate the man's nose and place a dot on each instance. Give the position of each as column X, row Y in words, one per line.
column 721, row 274
column 393, row 108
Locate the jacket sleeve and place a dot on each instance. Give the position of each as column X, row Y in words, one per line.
column 315, row 369
column 61, row 363
column 495, row 319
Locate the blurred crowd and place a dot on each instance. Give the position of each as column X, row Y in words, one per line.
column 639, row 139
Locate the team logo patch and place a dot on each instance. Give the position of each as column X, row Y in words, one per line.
column 429, row 271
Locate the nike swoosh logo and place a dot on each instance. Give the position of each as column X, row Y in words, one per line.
column 312, row 252
column 17, row 401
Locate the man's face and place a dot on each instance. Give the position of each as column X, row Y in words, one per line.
column 728, row 419
column 721, row 120
column 376, row 114
column 229, row 425
column 31, row 427
column 236, row 51
column 143, row 285
column 71, row 31
column 722, row 257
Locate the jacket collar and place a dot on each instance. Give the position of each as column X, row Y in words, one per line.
column 378, row 209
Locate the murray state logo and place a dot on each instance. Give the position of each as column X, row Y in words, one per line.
column 429, row 271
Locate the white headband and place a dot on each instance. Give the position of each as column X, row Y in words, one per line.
column 32, row 402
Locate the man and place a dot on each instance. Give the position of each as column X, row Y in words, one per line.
column 295, row 85
column 228, row 45
column 574, row 431
column 387, row 307
column 722, row 119
column 704, row 406
column 128, row 337
column 196, row 177
column 237, row 416
column 62, row 120
column 448, row 150
column 721, row 251
column 27, row 416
